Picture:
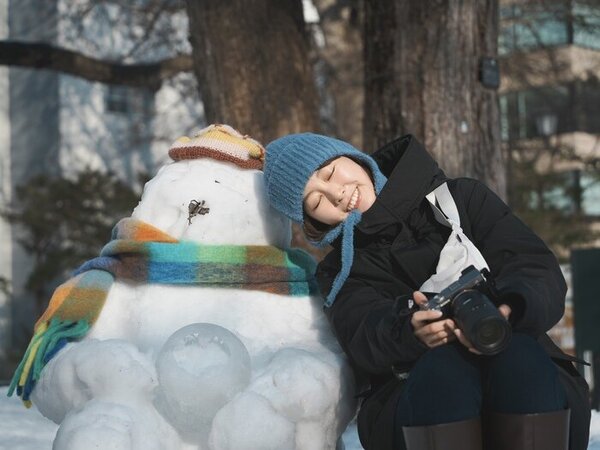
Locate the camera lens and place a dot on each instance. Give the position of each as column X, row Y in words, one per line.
column 481, row 322
column 490, row 332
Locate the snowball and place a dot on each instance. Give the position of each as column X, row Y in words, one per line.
column 200, row 368
column 110, row 370
column 250, row 423
column 106, row 425
column 299, row 385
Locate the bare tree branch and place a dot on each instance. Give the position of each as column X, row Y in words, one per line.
column 149, row 29
column 46, row 56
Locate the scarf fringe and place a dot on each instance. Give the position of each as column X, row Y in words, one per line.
column 45, row 343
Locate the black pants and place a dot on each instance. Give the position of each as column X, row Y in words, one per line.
column 449, row 384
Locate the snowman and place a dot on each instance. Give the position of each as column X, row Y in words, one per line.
column 197, row 327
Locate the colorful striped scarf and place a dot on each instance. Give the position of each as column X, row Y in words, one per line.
column 140, row 253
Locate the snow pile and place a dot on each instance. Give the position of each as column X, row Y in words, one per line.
column 190, row 367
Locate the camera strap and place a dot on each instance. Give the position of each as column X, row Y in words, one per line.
column 458, row 252
column 448, row 215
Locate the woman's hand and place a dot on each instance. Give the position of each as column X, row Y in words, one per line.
column 434, row 332
column 505, row 310
column 428, row 329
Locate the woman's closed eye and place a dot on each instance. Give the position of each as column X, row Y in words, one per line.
column 331, row 173
column 318, row 202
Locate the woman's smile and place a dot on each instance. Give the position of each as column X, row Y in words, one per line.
column 354, row 200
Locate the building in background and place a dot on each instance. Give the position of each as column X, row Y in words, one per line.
column 550, row 107
column 550, row 110
column 59, row 125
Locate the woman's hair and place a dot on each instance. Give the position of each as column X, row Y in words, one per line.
column 314, row 229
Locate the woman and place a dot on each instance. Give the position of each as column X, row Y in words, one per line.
column 424, row 386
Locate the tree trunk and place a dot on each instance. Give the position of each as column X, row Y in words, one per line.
column 342, row 54
column 251, row 61
column 422, row 77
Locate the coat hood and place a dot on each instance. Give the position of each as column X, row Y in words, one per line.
column 412, row 173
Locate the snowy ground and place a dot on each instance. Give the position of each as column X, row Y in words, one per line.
column 27, row 429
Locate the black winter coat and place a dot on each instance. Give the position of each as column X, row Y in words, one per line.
column 396, row 248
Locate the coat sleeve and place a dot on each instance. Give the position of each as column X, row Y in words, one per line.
column 374, row 331
column 525, row 272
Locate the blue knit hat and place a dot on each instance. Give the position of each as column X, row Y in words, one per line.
column 289, row 162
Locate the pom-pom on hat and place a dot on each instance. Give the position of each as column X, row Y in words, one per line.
column 220, row 142
column 289, row 163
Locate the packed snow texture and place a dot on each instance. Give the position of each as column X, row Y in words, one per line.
column 27, row 429
column 191, row 367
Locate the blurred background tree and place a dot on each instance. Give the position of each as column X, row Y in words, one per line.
column 63, row 222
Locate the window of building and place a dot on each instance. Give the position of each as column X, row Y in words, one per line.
column 586, row 24
column 128, row 100
column 570, row 192
column 537, row 25
column 588, row 105
column 559, row 199
column 551, row 110
column 560, row 194
column 536, row 112
column 527, row 27
column 117, row 99
column 590, row 197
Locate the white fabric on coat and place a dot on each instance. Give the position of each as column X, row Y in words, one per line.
column 459, row 252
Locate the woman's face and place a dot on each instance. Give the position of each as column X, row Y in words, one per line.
column 336, row 189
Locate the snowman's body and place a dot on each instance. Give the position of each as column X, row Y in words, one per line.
column 107, row 387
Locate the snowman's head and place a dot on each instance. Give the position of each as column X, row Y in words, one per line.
column 214, row 193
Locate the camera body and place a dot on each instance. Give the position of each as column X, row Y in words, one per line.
column 466, row 302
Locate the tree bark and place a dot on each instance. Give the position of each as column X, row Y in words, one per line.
column 422, row 64
column 251, row 61
column 45, row 56
column 342, row 54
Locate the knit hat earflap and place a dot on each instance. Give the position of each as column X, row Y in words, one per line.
column 289, row 162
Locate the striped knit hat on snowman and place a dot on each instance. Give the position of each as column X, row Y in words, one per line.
column 220, row 142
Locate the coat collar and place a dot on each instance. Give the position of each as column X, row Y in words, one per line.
column 412, row 173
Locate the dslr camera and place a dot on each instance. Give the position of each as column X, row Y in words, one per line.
column 465, row 301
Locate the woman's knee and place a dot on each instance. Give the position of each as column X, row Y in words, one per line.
column 443, row 386
column 523, row 379
column 444, row 368
column 524, row 360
